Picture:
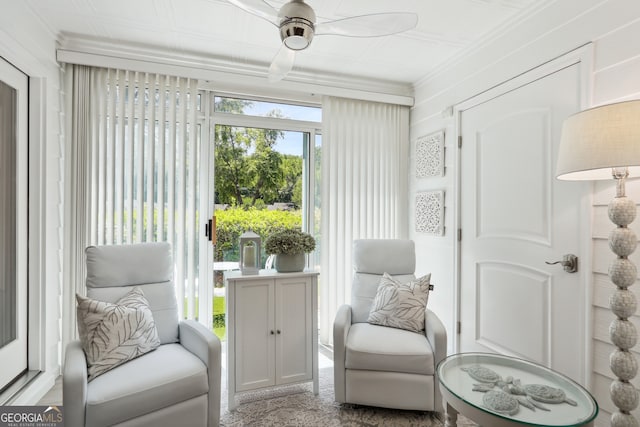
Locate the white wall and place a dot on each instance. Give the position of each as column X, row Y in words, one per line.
column 554, row 29
column 25, row 42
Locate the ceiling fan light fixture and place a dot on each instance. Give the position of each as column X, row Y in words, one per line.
column 296, row 33
column 296, row 22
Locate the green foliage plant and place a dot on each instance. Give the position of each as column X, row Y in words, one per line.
column 289, row 241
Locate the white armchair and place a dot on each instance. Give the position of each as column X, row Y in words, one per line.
column 378, row 365
column 178, row 383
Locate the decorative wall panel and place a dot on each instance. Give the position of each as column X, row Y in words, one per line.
column 430, row 155
column 429, row 212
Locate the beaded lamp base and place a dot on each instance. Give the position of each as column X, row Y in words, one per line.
column 623, row 334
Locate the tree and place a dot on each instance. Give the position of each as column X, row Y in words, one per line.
column 230, row 165
column 291, row 190
column 265, row 167
column 246, row 164
column 230, row 155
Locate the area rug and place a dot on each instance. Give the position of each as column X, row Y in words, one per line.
column 298, row 406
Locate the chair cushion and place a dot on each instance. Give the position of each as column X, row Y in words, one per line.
column 137, row 264
column 379, row 348
column 401, row 305
column 377, row 256
column 371, row 258
column 111, row 334
column 164, row 377
column 113, row 269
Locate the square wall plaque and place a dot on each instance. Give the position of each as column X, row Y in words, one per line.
column 430, row 155
column 430, row 212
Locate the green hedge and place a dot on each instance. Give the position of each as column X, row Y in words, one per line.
column 232, row 222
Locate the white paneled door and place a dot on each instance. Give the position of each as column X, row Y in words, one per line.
column 514, row 216
column 13, row 223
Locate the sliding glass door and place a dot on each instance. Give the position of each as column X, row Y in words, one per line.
column 13, row 223
column 264, row 178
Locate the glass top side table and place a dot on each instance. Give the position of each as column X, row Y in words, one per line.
column 456, row 372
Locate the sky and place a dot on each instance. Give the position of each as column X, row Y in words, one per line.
column 291, row 142
column 296, row 112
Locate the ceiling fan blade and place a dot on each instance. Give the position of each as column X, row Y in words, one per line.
column 259, row 8
column 282, row 64
column 379, row 24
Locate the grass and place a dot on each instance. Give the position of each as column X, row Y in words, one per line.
column 219, row 327
column 218, row 305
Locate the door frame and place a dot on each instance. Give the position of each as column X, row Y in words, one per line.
column 583, row 58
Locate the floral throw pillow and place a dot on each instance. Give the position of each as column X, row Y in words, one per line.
column 401, row 305
column 112, row 334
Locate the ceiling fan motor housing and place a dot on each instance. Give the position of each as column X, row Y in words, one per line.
column 297, row 21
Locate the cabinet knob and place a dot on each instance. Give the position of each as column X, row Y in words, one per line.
column 278, row 331
column 271, row 332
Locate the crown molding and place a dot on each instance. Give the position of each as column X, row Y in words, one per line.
column 224, row 74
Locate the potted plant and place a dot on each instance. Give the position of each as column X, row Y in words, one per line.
column 289, row 246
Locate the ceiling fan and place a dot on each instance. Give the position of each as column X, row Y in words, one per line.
column 297, row 23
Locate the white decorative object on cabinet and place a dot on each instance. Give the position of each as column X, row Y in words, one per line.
column 272, row 330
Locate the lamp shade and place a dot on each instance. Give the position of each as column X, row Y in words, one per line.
column 598, row 139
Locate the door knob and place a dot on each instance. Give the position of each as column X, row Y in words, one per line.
column 569, row 262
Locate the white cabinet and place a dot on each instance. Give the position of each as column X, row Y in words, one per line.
column 272, row 330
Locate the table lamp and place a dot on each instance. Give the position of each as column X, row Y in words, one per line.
column 604, row 143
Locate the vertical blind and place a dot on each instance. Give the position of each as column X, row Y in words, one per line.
column 143, row 156
column 365, row 154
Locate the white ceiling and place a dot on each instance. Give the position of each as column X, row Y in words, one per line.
column 216, row 29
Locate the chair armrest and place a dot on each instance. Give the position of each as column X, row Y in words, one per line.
column 200, row 341
column 74, row 385
column 341, row 326
column 437, row 336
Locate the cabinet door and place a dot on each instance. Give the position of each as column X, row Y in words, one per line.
column 254, row 334
column 294, row 330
